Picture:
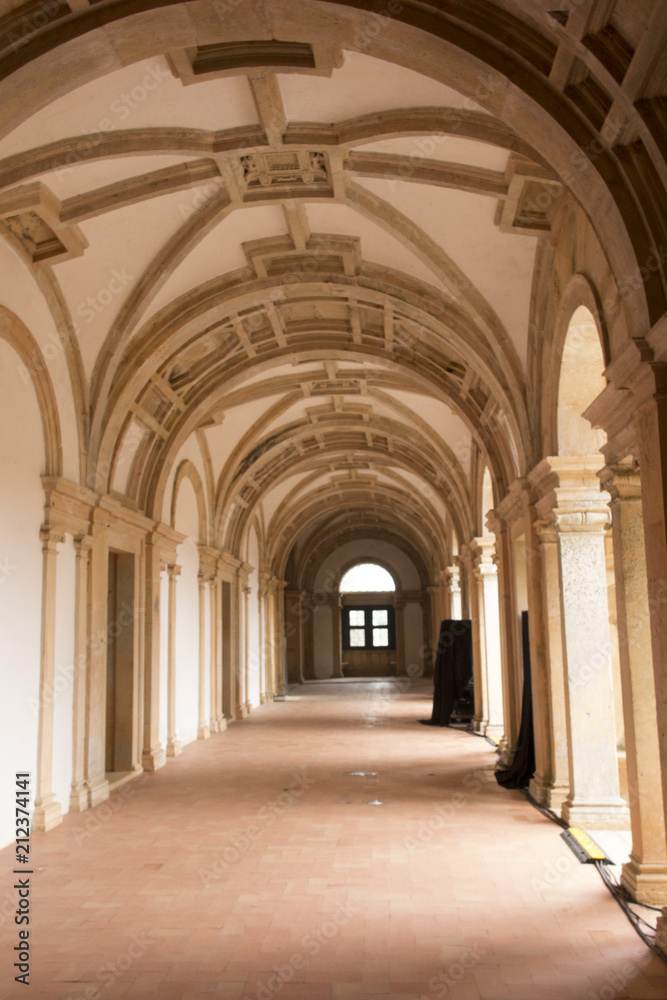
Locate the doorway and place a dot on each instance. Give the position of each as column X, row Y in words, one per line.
column 120, row 664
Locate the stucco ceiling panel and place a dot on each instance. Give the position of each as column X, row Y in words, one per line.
column 361, row 86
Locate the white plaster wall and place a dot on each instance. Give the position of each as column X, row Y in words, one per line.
column 21, row 514
column 187, row 641
column 164, row 660
column 192, row 451
column 63, row 712
column 413, row 628
column 323, row 651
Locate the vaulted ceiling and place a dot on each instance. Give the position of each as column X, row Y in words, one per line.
column 283, row 243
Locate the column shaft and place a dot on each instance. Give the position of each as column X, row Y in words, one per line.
column 47, row 812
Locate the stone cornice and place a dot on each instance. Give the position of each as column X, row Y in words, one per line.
column 634, row 377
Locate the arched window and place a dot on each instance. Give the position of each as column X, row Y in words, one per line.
column 368, row 625
column 366, row 578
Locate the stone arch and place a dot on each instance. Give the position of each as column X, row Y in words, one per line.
column 35, row 370
column 187, row 470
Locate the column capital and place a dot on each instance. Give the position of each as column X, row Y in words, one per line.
column 621, row 482
column 173, row 571
column 567, row 492
column 208, row 562
column 483, row 555
column 83, row 544
column 50, row 538
column 547, row 531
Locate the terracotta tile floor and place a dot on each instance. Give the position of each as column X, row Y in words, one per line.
column 259, row 864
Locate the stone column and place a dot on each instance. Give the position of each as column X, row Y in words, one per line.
column 98, row 609
column 218, row 721
column 238, row 600
column 203, row 728
column 335, row 603
column 454, row 588
column 280, row 639
column 174, row 745
column 510, row 655
column 78, row 799
column 153, row 755
column 247, row 590
column 645, row 875
column 47, row 812
column 434, row 606
column 270, row 640
column 581, row 517
column 478, row 647
column 399, row 607
column 485, row 572
column 554, row 785
column 262, row 615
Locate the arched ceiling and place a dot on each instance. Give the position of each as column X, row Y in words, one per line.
column 282, row 229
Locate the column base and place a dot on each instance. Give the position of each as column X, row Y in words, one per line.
column 494, row 731
column 203, row 732
column 222, row 724
column 248, row 707
column 597, row 815
column 241, row 711
column 154, row 758
column 46, row 815
column 548, row 794
column 98, row 790
column 478, row 725
column 78, row 798
column 174, row 748
column 263, row 698
column 661, row 931
column 646, row 883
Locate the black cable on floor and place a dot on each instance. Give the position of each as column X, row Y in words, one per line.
column 620, row 894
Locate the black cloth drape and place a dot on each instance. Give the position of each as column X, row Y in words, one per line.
column 453, row 669
column 522, row 768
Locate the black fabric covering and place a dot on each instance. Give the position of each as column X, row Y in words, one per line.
column 522, row 768
column 452, row 671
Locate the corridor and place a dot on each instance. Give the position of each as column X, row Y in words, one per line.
column 328, row 848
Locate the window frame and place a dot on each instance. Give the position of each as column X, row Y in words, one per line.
column 368, row 626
